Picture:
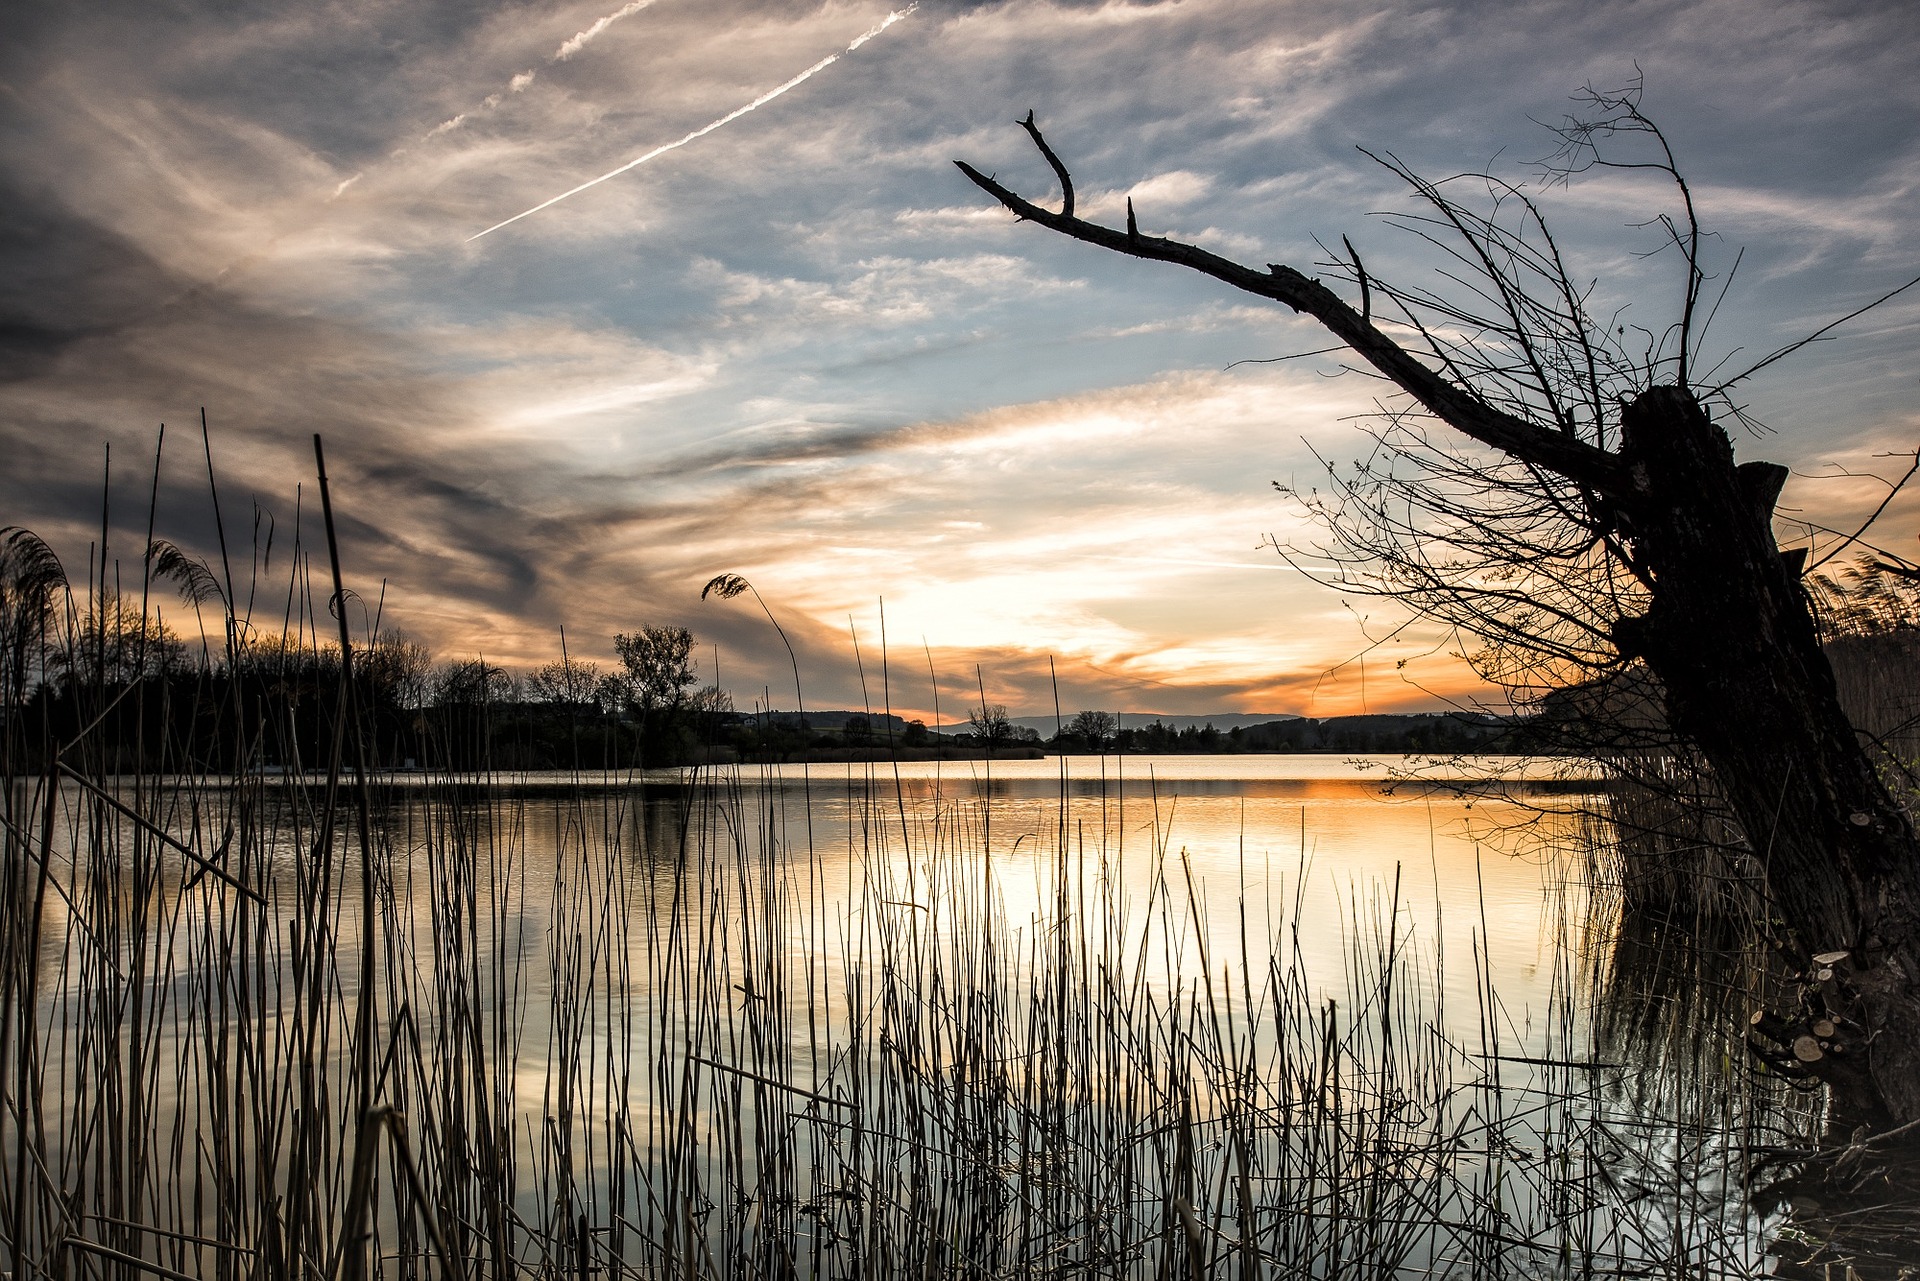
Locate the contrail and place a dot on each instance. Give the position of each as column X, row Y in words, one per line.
column 574, row 44
column 1281, row 566
column 704, row 130
column 584, row 38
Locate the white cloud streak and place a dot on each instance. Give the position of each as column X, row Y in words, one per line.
column 706, row 129
column 574, row 44
column 582, row 39
column 1279, row 567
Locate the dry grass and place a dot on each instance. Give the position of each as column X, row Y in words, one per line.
column 622, row 1038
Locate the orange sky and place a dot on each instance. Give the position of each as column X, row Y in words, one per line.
column 802, row 348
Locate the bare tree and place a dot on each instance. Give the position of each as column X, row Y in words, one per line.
column 991, row 725
column 119, row 643
column 469, row 683
column 566, row 680
column 1584, row 514
column 711, row 700
column 397, row 669
column 1095, row 729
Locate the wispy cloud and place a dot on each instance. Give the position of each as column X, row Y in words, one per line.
column 706, row 129
column 521, row 80
column 813, row 354
column 580, row 40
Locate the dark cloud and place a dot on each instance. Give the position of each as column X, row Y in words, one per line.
column 799, row 349
column 101, row 344
column 67, row 280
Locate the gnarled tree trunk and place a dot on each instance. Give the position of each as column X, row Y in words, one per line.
column 1733, row 643
column 1730, row 637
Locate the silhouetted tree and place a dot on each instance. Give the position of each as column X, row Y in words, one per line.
column 118, row 643
column 565, row 680
column 1093, row 730
column 470, row 682
column 397, row 670
column 1596, row 520
column 658, row 667
column 991, row 725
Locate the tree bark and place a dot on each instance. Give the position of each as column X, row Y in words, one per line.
column 1731, row 639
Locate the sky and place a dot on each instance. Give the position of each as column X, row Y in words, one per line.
column 798, row 345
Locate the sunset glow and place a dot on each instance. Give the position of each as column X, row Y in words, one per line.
column 803, row 349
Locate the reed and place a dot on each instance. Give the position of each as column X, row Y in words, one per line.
column 633, row 1026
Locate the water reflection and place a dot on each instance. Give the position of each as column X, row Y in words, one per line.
column 723, row 1008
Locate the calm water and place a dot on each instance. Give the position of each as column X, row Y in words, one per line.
column 1480, row 847
column 581, row 956
column 1301, row 853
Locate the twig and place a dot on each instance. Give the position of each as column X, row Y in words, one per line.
column 126, row 811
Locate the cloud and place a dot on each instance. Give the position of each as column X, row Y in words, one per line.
column 761, row 101
column 575, row 43
column 806, row 350
column 522, row 80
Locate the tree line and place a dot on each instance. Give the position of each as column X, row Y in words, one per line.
column 1435, row 733
column 121, row 673
column 130, row 678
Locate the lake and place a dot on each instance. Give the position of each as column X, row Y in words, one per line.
column 1305, row 1013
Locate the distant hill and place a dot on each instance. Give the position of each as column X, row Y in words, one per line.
column 1439, row 732
column 877, row 722
column 1140, row 720
column 1411, row 732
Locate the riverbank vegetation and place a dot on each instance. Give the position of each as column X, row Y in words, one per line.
column 295, row 980
column 467, row 713
column 255, row 1024
column 650, row 711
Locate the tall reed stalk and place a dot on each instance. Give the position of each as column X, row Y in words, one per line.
column 722, row 1026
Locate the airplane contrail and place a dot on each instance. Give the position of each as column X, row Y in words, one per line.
column 578, row 41
column 704, row 130
column 1281, row 566
column 587, row 37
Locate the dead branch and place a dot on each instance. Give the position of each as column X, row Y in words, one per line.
column 1454, row 405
